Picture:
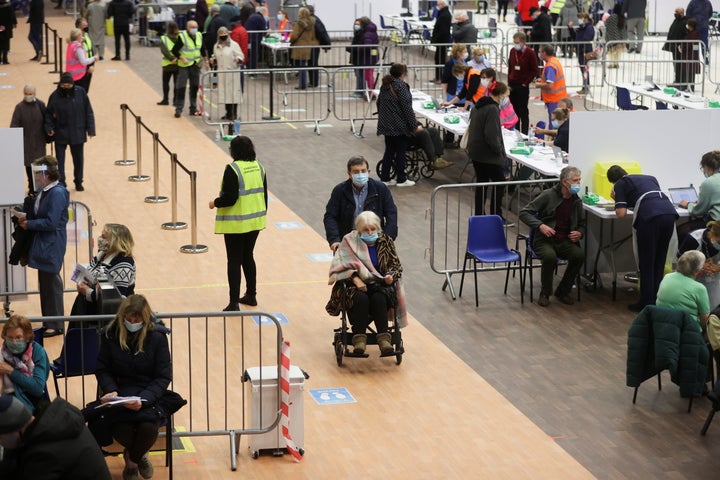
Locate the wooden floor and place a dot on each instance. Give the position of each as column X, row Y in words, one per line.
column 503, row 391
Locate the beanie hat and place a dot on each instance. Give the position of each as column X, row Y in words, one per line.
column 66, row 77
column 13, row 414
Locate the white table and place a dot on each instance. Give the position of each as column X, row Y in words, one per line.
column 681, row 99
column 542, row 159
column 276, row 48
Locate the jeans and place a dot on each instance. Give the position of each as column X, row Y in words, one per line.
column 36, row 36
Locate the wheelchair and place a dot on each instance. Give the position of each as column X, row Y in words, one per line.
column 416, row 164
column 342, row 340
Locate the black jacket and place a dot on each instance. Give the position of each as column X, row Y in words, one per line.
column 121, row 11
column 396, row 117
column 321, row 32
column 340, row 209
column 441, row 30
column 541, row 29
column 56, row 446
column 677, row 31
column 485, row 144
column 70, row 116
column 562, row 139
column 36, row 15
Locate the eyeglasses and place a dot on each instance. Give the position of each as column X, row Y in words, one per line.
column 16, row 338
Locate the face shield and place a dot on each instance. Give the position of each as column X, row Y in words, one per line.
column 40, row 177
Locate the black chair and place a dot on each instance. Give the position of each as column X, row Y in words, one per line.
column 78, row 357
column 624, row 102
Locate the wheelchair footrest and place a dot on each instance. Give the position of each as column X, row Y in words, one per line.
column 349, row 353
column 399, row 351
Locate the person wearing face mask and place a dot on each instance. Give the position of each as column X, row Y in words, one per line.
column 78, row 63
column 114, row 261
column 472, row 86
column 364, row 265
column 228, row 58
column 541, row 32
column 29, row 115
column 707, row 207
column 133, row 361
column 557, row 214
column 121, row 12
column 561, row 125
column 584, row 34
column 677, row 31
column 522, row 70
column 707, row 241
column 188, row 52
column 479, row 60
column 240, row 217
column 653, row 227
column 283, row 24
column 48, row 221
column 24, row 364
column 54, row 439
column 70, row 121
column 364, row 53
column 357, row 194
column 303, row 35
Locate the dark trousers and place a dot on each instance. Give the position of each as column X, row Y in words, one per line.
column 519, row 98
column 239, row 248
column 51, row 297
column 36, row 36
column 486, row 172
column 549, row 249
column 84, row 82
column 395, row 149
column 169, row 73
column 677, row 67
column 191, row 73
column 302, row 74
column 124, row 32
column 367, row 307
column 502, row 7
column 440, row 59
column 428, row 139
column 4, row 48
column 28, row 172
column 653, row 237
column 78, row 156
column 138, row 438
column 314, row 74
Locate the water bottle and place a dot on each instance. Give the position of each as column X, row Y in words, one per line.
column 236, row 127
column 217, row 135
column 531, row 135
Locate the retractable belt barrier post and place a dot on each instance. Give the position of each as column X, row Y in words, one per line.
column 124, row 161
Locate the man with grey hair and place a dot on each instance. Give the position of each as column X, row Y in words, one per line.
column 355, row 195
column 30, row 116
column 680, row 291
column 463, row 31
column 210, row 36
column 441, row 35
column 557, row 217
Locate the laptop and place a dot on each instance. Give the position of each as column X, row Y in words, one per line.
column 682, row 193
column 557, row 152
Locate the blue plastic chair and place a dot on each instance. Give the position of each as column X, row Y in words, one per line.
column 660, row 105
column 486, row 243
column 624, row 102
column 79, row 355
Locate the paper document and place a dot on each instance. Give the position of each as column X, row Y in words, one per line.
column 83, row 274
column 17, row 213
column 119, row 401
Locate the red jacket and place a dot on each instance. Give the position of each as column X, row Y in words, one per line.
column 523, row 6
column 527, row 61
column 240, row 35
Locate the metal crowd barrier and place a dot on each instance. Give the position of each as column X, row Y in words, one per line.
column 79, row 250
column 174, row 224
column 210, row 351
column 53, row 50
column 450, row 207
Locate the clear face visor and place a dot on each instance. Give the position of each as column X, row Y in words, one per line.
column 40, row 177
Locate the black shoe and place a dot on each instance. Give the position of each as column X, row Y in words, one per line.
column 635, row 307
column 543, row 300
column 52, row 332
column 713, row 397
column 35, row 58
column 79, row 187
column 116, row 58
column 102, row 58
column 177, row 114
column 163, row 102
column 565, row 298
column 249, row 300
column 127, row 57
column 232, row 307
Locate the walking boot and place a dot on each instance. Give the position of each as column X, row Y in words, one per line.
column 359, row 343
column 383, row 341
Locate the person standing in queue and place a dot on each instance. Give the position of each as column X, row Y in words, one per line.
column 188, row 52
column 653, row 227
column 242, row 212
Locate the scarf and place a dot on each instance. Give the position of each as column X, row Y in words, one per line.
column 24, row 363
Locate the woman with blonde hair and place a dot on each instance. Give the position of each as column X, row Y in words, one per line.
column 77, row 62
column 228, row 57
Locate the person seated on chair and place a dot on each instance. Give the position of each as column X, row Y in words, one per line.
column 707, row 206
column 429, row 140
column 357, row 194
column 114, row 261
column 565, row 103
column 24, row 366
column 707, row 241
column 679, row 290
column 557, row 214
column 561, row 124
column 134, row 360
column 479, row 60
column 363, row 270
column 52, row 442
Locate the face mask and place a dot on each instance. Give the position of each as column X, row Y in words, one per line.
column 580, row 21
column 356, row 28
column 460, row 78
column 103, row 244
column 192, row 31
column 280, row 17
column 10, row 440
column 715, row 245
column 504, row 102
column 29, row 98
column 705, row 174
column 678, row 16
column 555, row 124
column 133, row 327
column 369, row 237
column 223, row 38
column 575, row 188
column 65, row 91
column 484, row 82
column 86, row 29
column 16, row 347
column 360, row 179
column 480, row 58
column 517, row 47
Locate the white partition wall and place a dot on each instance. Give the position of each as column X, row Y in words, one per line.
column 12, row 166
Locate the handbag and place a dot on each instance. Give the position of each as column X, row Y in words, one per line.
column 465, row 138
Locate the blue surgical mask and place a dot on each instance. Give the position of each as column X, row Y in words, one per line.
column 280, row 17
column 16, row 347
column 715, row 244
column 357, row 28
column 575, row 188
column 484, row 82
column 555, row 124
column 480, row 58
column 369, row 237
column 460, row 78
column 133, row 327
column 360, row 179
column 705, row 174
column 504, row 102
column 193, row 31
column 517, row 47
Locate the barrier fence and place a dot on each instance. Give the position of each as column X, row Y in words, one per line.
column 174, row 224
column 210, row 351
column 53, row 50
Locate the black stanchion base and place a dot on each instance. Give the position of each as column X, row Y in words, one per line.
column 174, row 226
column 158, row 199
column 271, row 117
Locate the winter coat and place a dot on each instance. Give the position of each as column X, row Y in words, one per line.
column 568, row 13
column 465, row 32
column 396, row 117
column 485, row 144
column 30, row 390
column 583, row 33
column 635, row 8
column 36, row 14
column 666, row 339
column 690, row 52
column 677, row 31
column 31, row 118
column 228, row 87
column 241, row 37
column 57, row 445
column 441, row 29
column 71, row 117
column 303, row 35
column 362, row 56
column 701, row 11
column 121, row 11
column 541, row 29
column 48, row 225
column 542, row 210
column 613, row 32
column 7, row 20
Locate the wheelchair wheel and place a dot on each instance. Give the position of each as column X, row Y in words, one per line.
column 391, row 170
column 412, row 172
column 399, row 349
column 427, row 171
column 339, row 348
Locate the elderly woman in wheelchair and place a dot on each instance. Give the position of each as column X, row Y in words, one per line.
column 365, row 272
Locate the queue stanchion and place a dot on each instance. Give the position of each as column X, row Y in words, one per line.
column 271, row 115
column 174, row 224
column 194, row 247
column 156, row 197
column 124, row 160
column 138, row 177
column 46, row 45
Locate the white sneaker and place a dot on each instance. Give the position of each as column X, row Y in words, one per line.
column 406, row 183
column 390, row 182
